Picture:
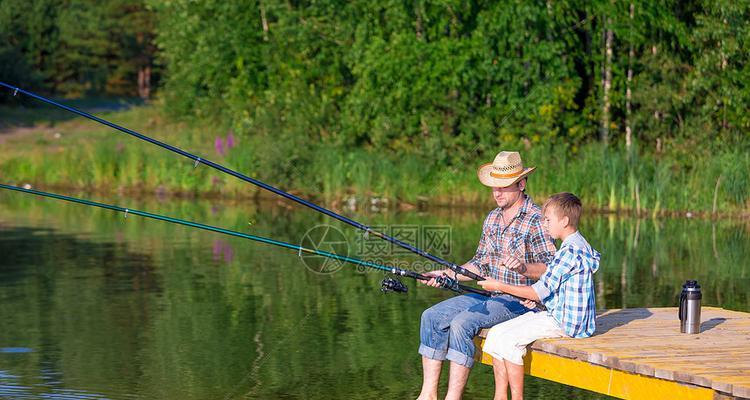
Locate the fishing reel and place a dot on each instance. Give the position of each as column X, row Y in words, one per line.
column 446, row 282
column 393, row 285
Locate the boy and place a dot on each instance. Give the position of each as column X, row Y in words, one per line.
column 566, row 289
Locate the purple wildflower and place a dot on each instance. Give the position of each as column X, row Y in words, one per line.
column 219, row 146
column 230, row 140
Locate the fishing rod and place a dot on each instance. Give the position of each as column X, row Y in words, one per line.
column 387, row 285
column 198, row 160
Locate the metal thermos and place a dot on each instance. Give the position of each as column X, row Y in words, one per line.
column 690, row 307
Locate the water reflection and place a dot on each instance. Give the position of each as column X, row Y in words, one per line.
column 115, row 307
column 222, row 251
column 16, row 350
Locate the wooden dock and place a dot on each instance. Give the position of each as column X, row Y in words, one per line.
column 640, row 354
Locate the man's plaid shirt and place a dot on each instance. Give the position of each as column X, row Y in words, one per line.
column 567, row 287
column 522, row 237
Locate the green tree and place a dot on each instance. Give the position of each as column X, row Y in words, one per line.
column 77, row 47
column 720, row 83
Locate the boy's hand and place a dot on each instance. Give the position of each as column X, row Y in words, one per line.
column 490, row 284
column 513, row 264
column 530, row 304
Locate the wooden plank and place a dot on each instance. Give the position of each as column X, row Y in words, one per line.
column 647, row 343
column 609, row 381
column 726, row 387
column 741, row 389
column 687, row 371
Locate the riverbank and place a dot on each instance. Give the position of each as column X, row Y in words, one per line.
column 77, row 154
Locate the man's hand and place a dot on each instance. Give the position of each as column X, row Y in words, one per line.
column 433, row 275
column 490, row 284
column 513, row 264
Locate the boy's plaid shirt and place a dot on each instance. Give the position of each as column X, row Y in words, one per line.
column 522, row 237
column 570, row 282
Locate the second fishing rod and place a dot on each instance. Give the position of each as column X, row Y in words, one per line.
column 387, row 285
column 199, row 160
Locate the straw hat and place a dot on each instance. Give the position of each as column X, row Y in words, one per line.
column 506, row 170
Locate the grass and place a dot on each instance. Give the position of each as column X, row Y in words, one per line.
column 46, row 115
column 88, row 156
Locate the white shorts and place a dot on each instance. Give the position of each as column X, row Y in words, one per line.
column 508, row 340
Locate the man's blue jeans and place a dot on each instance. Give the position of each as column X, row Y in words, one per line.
column 448, row 328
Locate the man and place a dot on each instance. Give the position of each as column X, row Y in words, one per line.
column 513, row 229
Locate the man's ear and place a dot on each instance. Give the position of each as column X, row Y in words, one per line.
column 522, row 184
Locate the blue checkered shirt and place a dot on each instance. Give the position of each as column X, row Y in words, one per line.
column 522, row 237
column 567, row 287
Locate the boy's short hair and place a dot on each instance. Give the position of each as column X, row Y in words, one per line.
column 565, row 205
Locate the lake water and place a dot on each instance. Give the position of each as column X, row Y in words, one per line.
column 96, row 305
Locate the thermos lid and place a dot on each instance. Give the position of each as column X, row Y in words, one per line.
column 689, row 284
column 692, row 289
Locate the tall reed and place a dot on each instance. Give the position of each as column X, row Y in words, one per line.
column 606, row 177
